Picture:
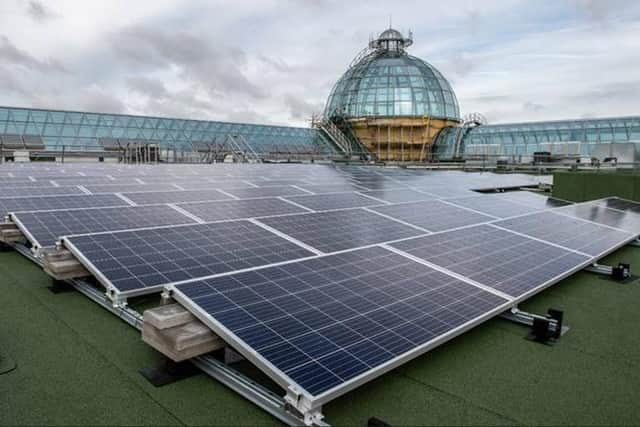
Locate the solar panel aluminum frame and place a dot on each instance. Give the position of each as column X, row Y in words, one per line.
column 307, row 404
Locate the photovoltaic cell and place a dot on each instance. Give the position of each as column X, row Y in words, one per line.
column 322, row 322
column 247, row 193
column 573, row 233
column 142, row 260
column 43, row 203
column 399, row 195
column 45, row 228
column 505, row 261
column 38, row 191
column 539, row 201
column 120, row 188
column 433, row 215
column 323, row 202
column 241, row 209
column 176, row 196
column 493, row 206
column 626, row 220
column 339, row 230
column 331, row 188
column 621, row 204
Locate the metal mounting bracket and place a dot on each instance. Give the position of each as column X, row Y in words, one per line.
column 544, row 329
column 620, row 272
column 635, row 242
column 298, row 404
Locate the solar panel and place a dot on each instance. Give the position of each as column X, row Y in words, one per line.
column 331, row 188
column 433, row 215
column 625, row 220
column 45, row 203
column 15, row 185
column 325, row 325
column 247, row 193
column 493, row 206
column 339, row 230
column 119, row 188
column 621, row 204
column 399, row 195
column 241, row 209
column 324, row 202
column 494, row 257
column 140, row 261
column 45, row 228
column 176, row 196
column 572, row 233
column 38, row 191
column 529, row 198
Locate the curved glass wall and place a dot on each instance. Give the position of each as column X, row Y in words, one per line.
column 81, row 131
column 515, row 139
column 392, row 84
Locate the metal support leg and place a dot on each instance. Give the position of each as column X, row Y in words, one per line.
column 544, row 329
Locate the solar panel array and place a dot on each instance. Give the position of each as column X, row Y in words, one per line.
column 241, row 209
column 140, row 260
column 505, row 261
column 323, row 276
column 324, row 321
column 339, row 230
column 46, row 227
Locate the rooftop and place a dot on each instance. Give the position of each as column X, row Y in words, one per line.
column 78, row 364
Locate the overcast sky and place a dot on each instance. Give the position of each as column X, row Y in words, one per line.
column 275, row 61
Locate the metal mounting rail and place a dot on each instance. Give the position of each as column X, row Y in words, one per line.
column 264, row 398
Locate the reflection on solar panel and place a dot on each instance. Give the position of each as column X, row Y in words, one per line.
column 339, row 230
column 433, row 215
column 331, row 188
column 38, row 191
column 573, row 233
column 240, row 209
column 621, row 204
column 493, row 206
column 247, row 193
column 444, row 191
column 177, row 196
column 276, row 182
column 44, row 203
column 321, row 323
column 119, row 188
column 625, row 220
column 323, row 202
column 140, row 261
column 45, row 228
column 494, row 257
column 399, row 195
column 528, row 198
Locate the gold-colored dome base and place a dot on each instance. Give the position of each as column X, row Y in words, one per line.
column 408, row 139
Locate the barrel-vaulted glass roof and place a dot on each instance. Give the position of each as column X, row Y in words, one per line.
column 389, row 82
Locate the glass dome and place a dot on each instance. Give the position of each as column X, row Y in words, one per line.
column 388, row 82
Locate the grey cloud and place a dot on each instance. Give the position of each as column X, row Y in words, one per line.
column 276, row 63
column 95, row 98
column 147, row 86
column 532, row 106
column 220, row 70
column 301, row 109
column 12, row 55
column 38, row 12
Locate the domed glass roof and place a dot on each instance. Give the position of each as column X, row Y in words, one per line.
column 388, row 82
